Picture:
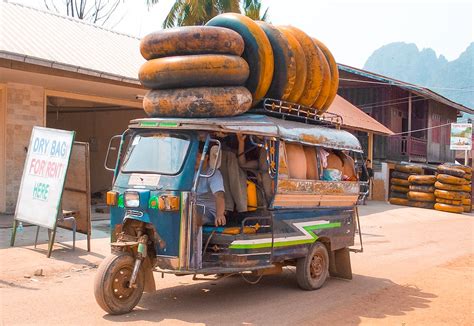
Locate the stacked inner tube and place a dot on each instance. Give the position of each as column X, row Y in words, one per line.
column 194, row 71
column 230, row 65
column 422, row 190
column 453, row 189
column 399, row 184
column 285, row 63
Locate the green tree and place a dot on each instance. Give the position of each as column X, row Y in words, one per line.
column 198, row 12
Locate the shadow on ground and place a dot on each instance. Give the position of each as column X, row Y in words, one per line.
column 276, row 296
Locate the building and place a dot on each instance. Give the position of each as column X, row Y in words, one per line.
column 419, row 117
column 78, row 77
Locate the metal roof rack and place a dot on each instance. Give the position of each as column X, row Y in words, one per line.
column 297, row 112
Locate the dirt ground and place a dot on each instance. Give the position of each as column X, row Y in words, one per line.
column 417, row 269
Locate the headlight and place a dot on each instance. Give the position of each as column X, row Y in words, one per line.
column 131, row 199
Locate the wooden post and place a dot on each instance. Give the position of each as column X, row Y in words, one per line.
column 370, row 146
column 370, row 156
column 409, row 126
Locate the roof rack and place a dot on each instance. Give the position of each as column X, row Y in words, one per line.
column 297, row 112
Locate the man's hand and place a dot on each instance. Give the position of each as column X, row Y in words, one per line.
column 220, row 220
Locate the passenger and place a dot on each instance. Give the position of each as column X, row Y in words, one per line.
column 338, row 160
column 210, row 191
column 260, row 165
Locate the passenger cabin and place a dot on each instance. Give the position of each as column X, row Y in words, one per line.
column 300, row 171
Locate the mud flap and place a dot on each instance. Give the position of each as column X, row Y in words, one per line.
column 150, row 286
column 340, row 264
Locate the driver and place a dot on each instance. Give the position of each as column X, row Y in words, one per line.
column 210, row 191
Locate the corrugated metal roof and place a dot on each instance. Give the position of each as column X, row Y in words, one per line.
column 48, row 39
column 422, row 91
column 354, row 118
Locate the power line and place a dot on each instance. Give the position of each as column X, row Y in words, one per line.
column 433, row 127
column 393, row 83
column 388, row 101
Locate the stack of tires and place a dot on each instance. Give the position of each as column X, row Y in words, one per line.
column 194, row 72
column 230, row 65
column 399, row 184
column 453, row 189
column 422, row 190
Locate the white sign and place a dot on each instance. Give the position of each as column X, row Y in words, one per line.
column 461, row 136
column 43, row 176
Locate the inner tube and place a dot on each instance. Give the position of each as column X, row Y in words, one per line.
column 326, row 84
column 450, row 187
column 257, row 51
column 422, row 188
column 451, row 171
column 398, row 201
column 466, row 201
column 400, row 175
column 191, row 40
column 448, row 208
column 284, row 76
column 446, row 178
column 409, row 168
column 394, row 194
column 400, row 182
column 301, row 69
column 421, row 196
column 446, row 194
column 465, row 168
column 420, row 204
column 467, row 208
column 422, row 179
column 314, row 77
column 194, row 71
column 448, row 201
column 334, row 71
column 401, row 189
column 198, row 102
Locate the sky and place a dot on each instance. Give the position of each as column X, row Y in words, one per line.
column 352, row 30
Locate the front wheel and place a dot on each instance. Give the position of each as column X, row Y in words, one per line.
column 112, row 284
column 312, row 270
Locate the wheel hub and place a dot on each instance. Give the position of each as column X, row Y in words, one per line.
column 316, row 266
column 121, row 284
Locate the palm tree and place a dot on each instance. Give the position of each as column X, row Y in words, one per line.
column 198, row 12
column 252, row 10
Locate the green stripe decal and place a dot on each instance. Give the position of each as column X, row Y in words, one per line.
column 288, row 241
column 148, row 124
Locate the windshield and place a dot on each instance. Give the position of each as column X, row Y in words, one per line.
column 156, row 153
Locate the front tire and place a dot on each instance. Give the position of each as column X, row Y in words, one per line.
column 312, row 270
column 111, row 287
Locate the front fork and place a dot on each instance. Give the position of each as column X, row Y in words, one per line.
column 140, row 257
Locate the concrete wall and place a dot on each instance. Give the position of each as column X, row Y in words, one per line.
column 24, row 108
column 95, row 128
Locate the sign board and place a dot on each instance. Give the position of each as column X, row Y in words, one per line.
column 43, row 177
column 461, row 136
column 77, row 191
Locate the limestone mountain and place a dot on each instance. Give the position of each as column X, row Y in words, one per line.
column 406, row 62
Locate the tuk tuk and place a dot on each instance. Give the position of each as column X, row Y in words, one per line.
column 295, row 219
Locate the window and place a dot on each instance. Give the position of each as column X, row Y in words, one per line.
column 156, row 153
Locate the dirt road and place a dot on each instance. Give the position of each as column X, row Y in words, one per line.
column 417, row 269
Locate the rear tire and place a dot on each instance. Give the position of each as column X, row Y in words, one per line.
column 313, row 270
column 111, row 284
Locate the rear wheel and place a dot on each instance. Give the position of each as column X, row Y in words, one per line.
column 312, row 270
column 112, row 284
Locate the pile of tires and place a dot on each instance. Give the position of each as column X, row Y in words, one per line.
column 230, row 65
column 422, row 190
column 399, row 184
column 453, row 189
column 194, row 71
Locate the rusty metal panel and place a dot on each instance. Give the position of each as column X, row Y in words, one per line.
column 260, row 125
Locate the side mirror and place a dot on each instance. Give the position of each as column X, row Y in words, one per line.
column 114, row 146
column 214, row 164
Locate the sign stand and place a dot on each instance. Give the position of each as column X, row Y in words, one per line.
column 43, row 179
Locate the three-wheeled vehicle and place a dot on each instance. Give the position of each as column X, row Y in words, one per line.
column 295, row 219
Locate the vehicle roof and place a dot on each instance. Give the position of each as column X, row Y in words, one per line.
column 259, row 125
